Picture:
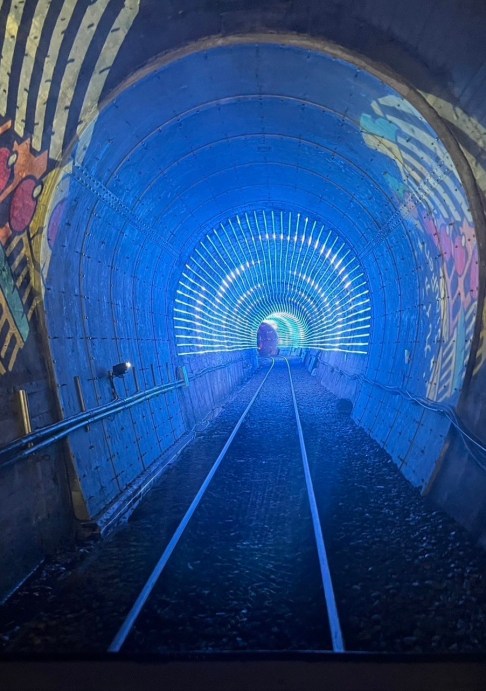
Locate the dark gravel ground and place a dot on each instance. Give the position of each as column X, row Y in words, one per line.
column 244, row 576
column 76, row 602
column 407, row 578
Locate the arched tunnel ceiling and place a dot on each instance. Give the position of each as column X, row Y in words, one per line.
column 261, row 126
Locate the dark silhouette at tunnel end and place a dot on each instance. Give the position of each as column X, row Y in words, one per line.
column 267, row 340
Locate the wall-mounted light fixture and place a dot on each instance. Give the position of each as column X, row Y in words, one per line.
column 120, row 369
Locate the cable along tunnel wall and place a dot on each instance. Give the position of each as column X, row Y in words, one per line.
column 223, row 131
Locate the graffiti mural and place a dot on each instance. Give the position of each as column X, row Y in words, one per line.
column 21, row 174
column 433, row 205
column 481, row 352
column 43, row 51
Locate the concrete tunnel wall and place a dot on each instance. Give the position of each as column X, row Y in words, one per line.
column 127, row 200
column 275, row 129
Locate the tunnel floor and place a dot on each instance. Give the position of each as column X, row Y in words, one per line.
column 245, row 574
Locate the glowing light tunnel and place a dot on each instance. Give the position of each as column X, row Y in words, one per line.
column 288, row 327
column 279, row 267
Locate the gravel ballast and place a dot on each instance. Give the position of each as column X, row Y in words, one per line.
column 245, row 574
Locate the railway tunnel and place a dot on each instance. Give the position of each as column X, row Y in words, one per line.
column 182, row 189
column 266, row 192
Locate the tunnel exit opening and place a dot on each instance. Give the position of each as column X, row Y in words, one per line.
column 280, row 333
column 267, row 340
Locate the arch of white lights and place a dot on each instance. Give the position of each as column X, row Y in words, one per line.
column 279, row 267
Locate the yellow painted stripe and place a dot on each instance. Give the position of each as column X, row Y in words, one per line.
column 13, row 245
column 13, row 356
column 17, row 261
column 479, row 363
column 77, row 54
column 35, row 302
column 27, row 292
column 108, row 54
column 12, row 28
column 21, row 276
column 6, row 344
column 49, row 65
column 28, row 63
column 13, row 332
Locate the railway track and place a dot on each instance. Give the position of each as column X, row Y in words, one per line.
column 236, row 568
column 227, row 554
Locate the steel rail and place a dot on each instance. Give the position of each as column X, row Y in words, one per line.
column 144, row 594
column 38, row 440
column 332, row 613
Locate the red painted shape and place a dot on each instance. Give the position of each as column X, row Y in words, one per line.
column 23, row 205
column 5, row 169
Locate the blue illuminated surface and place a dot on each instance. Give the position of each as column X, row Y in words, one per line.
column 213, row 134
column 278, row 267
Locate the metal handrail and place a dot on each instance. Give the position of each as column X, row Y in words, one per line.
column 38, row 440
column 212, row 368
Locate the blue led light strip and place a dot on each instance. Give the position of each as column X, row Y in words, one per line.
column 278, row 267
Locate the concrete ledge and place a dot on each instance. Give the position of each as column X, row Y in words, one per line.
column 122, row 507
